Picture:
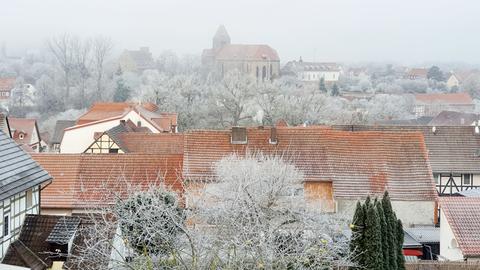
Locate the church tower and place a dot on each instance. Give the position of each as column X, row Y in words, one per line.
column 221, row 38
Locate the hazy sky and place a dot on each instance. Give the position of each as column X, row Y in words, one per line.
column 324, row 30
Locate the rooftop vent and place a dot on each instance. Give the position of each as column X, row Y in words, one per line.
column 239, row 135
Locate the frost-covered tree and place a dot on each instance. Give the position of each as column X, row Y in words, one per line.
column 250, row 216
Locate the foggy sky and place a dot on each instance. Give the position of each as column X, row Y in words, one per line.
column 405, row 31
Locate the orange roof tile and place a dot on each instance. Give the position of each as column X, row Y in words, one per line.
column 85, row 180
column 7, row 84
column 100, row 111
column 444, row 98
column 152, row 143
column 358, row 164
column 463, row 216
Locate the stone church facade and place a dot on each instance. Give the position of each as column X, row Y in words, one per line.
column 258, row 60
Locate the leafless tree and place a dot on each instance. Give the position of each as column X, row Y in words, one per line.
column 102, row 48
column 81, row 54
column 252, row 215
column 61, row 48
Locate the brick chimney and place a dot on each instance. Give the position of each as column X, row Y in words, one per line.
column 239, row 135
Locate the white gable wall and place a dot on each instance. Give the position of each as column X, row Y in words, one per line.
column 77, row 140
column 448, row 247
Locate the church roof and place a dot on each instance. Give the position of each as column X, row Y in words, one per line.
column 247, row 52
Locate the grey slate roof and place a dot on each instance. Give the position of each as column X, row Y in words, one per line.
column 449, row 118
column 475, row 192
column 18, row 171
column 410, row 242
column 60, row 127
column 424, row 234
column 63, row 230
column 451, row 149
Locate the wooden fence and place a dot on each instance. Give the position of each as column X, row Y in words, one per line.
column 436, row 265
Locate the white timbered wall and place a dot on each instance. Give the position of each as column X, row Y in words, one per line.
column 15, row 208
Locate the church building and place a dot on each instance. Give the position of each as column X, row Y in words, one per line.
column 258, row 60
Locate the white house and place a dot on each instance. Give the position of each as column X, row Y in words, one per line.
column 313, row 71
column 104, row 116
column 460, row 228
column 21, row 179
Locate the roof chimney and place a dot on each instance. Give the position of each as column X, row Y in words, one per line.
column 434, row 130
column 239, row 135
column 273, row 136
column 122, row 122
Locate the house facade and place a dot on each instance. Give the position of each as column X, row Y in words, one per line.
column 21, row 179
column 256, row 60
column 339, row 167
column 433, row 104
column 104, row 116
column 136, row 60
column 127, row 138
column 313, row 71
column 6, row 87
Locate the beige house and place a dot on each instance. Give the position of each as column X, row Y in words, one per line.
column 257, row 60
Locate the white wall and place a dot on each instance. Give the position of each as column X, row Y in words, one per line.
column 410, row 212
column 15, row 208
column 328, row 76
column 447, row 251
column 79, row 139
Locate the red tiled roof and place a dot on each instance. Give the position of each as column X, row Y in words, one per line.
column 152, row 143
column 85, row 180
column 247, row 52
column 420, row 72
column 449, row 98
column 111, row 111
column 25, row 126
column 100, row 111
column 7, row 84
column 358, row 163
column 463, row 215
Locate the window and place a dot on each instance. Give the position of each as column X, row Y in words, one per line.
column 6, row 225
column 29, row 198
column 467, row 179
column 436, row 177
column 112, row 150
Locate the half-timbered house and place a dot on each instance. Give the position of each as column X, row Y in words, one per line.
column 21, row 179
column 104, row 116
